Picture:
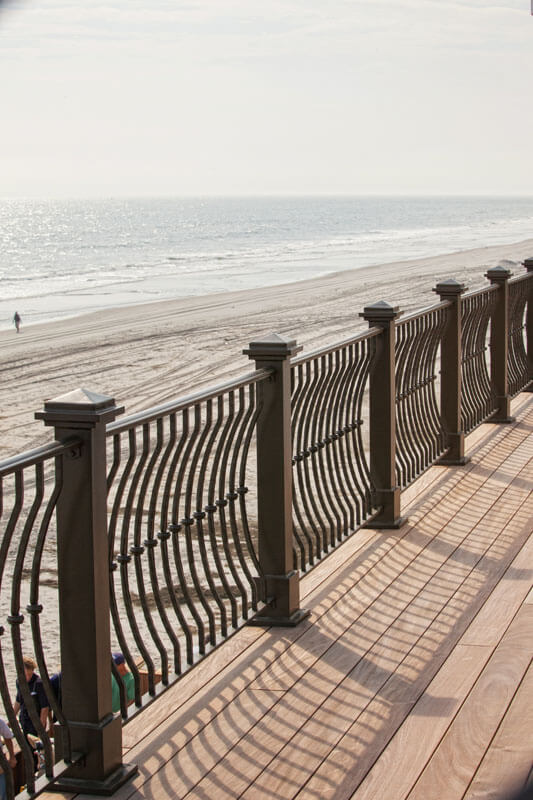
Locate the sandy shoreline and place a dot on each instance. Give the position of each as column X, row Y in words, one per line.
column 144, row 355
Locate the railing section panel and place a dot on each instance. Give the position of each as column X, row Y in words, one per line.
column 30, row 486
column 331, row 476
column 517, row 363
column 182, row 531
column 419, row 435
column 478, row 400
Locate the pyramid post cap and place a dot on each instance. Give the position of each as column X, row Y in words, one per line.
column 449, row 287
column 272, row 346
column 498, row 273
column 79, row 407
column 380, row 311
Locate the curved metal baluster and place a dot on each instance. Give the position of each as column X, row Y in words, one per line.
column 468, row 404
column 170, row 531
column 34, row 608
column 424, row 325
column 136, row 500
column 403, row 454
column 325, row 441
column 335, row 433
column 468, row 328
column 306, row 472
column 4, row 688
column 177, row 527
column 342, row 457
column 301, row 508
column 210, row 509
column 16, row 618
column 223, row 501
column 111, row 532
column 148, row 546
column 124, row 559
column 199, row 515
column 369, row 347
column 436, row 436
column 152, row 513
column 413, row 366
column 232, row 493
column 479, row 384
column 219, row 504
column 353, row 422
column 315, row 448
column 242, row 490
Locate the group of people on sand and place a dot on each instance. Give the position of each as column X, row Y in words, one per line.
column 44, row 712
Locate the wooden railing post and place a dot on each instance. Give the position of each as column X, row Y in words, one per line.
column 499, row 345
column 451, row 373
column 528, row 264
column 83, row 585
column 383, row 417
column 281, row 586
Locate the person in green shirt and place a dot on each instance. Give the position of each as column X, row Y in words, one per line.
column 127, row 679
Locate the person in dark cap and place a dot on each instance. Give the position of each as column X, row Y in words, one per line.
column 127, row 679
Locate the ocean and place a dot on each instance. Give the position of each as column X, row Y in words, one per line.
column 67, row 257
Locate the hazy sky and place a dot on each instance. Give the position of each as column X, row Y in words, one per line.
column 279, row 96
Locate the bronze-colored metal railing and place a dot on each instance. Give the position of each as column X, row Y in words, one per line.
column 478, row 397
column 160, row 534
column 518, row 377
column 30, row 486
column 419, row 433
column 331, row 475
column 182, row 488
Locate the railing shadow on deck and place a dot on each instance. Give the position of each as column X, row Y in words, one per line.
column 169, row 530
column 227, row 756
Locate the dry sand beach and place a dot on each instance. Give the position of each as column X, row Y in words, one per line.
column 144, row 355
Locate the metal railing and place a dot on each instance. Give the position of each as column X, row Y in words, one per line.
column 518, row 376
column 331, row 475
column 478, row 397
column 160, row 534
column 30, row 486
column 419, row 433
column 182, row 488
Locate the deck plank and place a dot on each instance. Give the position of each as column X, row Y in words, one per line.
column 472, row 730
column 507, row 764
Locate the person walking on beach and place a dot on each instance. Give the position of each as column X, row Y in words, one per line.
column 16, row 320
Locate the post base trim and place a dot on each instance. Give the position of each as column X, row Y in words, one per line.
column 375, row 524
column 264, row 620
column 106, row 787
column 450, row 461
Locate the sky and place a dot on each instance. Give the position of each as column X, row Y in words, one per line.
column 244, row 97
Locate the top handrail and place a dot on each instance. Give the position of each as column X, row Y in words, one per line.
column 31, row 457
column 323, row 351
column 181, row 403
column 483, row 290
column 520, row 278
column 422, row 313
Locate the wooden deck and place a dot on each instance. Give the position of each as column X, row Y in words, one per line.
column 412, row 678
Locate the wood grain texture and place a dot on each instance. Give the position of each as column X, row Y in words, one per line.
column 450, row 770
